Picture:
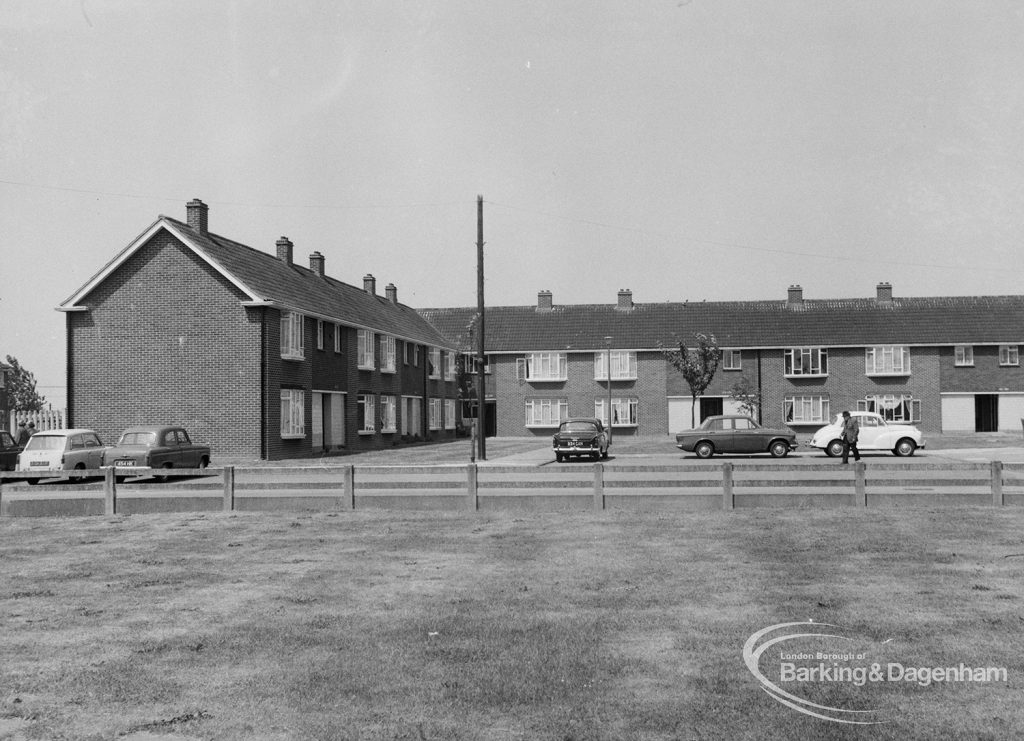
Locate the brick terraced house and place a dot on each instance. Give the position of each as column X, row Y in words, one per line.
column 252, row 353
column 947, row 364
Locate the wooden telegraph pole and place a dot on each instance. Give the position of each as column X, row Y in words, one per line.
column 481, row 394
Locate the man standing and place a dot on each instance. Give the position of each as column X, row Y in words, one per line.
column 850, row 432
column 23, row 434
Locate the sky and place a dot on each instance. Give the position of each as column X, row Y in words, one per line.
column 685, row 150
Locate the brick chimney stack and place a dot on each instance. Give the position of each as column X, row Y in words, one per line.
column 883, row 293
column 284, row 250
column 391, row 292
column 625, row 299
column 796, row 297
column 370, row 284
column 545, row 300
column 197, row 215
column 316, row 263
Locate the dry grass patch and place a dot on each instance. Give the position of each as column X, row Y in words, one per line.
column 431, row 626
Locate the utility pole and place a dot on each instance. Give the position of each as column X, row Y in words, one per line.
column 481, row 357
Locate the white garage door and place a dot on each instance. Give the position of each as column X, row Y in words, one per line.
column 958, row 413
column 1011, row 412
column 679, row 412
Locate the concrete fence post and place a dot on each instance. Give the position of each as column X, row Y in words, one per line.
column 229, row 489
column 598, row 487
column 349, row 476
column 472, row 487
column 109, row 492
column 860, row 483
column 728, row 495
column 997, row 484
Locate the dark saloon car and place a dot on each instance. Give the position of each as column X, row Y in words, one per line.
column 580, row 436
column 735, row 433
column 155, row 446
column 9, row 450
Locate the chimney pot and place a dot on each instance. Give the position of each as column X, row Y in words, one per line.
column 625, row 299
column 284, row 250
column 391, row 292
column 545, row 300
column 197, row 215
column 316, row 263
column 796, row 296
column 883, row 293
column 370, row 284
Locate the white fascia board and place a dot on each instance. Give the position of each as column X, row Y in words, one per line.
column 72, row 303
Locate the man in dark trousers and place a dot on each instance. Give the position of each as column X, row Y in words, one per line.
column 23, row 434
column 850, row 432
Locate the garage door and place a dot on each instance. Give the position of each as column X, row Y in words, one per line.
column 958, row 413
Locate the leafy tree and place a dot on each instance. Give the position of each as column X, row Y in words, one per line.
column 697, row 364
column 747, row 396
column 21, row 388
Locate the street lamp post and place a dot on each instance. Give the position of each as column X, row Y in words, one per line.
column 608, row 370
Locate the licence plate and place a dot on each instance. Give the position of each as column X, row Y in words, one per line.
column 39, row 463
column 124, row 463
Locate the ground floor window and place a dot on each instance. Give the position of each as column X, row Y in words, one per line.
column 892, row 407
column 434, row 418
column 546, row 412
column 388, row 414
column 412, row 414
column 624, row 411
column 805, row 409
column 449, row 414
column 293, row 413
column 367, row 414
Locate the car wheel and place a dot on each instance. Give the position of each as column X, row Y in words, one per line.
column 595, row 456
column 704, row 450
column 558, row 457
column 905, row 447
column 834, row 448
column 604, row 453
column 32, row 482
column 203, row 462
column 79, row 477
column 165, row 478
column 778, row 449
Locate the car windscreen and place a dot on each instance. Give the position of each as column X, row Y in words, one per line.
column 137, row 438
column 46, row 442
column 579, row 427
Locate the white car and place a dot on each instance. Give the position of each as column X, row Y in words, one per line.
column 60, row 450
column 875, row 434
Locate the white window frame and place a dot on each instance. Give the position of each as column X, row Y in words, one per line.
column 732, row 360
column 434, row 413
column 802, row 409
column 388, row 413
column 963, row 355
column 887, row 360
column 625, row 411
column 387, row 354
column 449, row 414
column 365, row 350
column 546, row 412
column 337, row 338
column 293, row 414
column 368, row 404
column 542, row 367
column 449, row 366
column 292, row 336
column 1009, row 355
column 805, row 362
column 623, row 365
column 892, row 407
column 319, row 334
column 434, row 359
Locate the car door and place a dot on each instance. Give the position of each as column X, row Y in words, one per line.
column 871, row 428
column 172, row 449
column 8, row 451
column 187, row 452
column 747, row 438
column 721, row 435
column 93, row 450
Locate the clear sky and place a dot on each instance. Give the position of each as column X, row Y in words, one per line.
column 686, row 150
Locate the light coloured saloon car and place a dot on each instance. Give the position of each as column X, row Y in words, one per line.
column 61, row 450
column 875, row 434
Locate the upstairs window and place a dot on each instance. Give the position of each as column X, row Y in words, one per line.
column 434, row 363
column 623, row 365
column 807, row 361
column 292, row 346
column 319, row 334
column 542, row 366
column 1009, row 355
column 365, row 349
column 337, row 338
column 732, row 360
column 964, row 355
column 449, row 366
column 388, row 363
column 887, row 360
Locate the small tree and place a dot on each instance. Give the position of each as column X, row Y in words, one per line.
column 697, row 364
column 747, row 396
column 21, row 388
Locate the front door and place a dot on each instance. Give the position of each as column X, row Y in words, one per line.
column 986, row 412
column 710, row 406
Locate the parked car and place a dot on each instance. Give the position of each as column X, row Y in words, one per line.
column 579, row 437
column 9, row 450
column 735, row 433
column 61, row 450
column 875, row 434
column 155, row 446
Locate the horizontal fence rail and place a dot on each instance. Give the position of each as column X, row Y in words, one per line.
column 473, row 487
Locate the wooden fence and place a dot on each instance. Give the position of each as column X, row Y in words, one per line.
column 472, row 487
column 44, row 419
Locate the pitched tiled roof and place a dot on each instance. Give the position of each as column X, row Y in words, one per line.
column 744, row 324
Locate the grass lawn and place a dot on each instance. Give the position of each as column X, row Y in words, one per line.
column 399, row 625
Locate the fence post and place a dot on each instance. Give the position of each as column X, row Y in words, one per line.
column 997, row 483
column 859, row 483
column 109, row 492
column 229, row 489
column 728, row 497
column 598, row 487
column 349, row 476
column 472, row 487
